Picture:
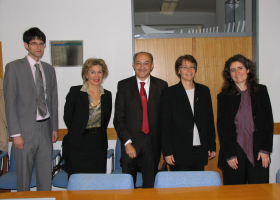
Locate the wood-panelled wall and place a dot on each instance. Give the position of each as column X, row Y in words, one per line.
column 210, row 53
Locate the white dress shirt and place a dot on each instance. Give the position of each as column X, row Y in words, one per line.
column 196, row 139
column 147, row 88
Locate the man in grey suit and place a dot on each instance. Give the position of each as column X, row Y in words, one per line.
column 30, row 92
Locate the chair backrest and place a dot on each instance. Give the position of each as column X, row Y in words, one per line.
column 187, row 179
column 278, row 176
column 100, row 182
column 12, row 161
column 118, row 154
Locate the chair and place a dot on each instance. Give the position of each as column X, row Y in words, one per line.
column 187, row 179
column 100, row 182
column 3, row 154
column 278, row 176
column 118, row 168
column 60, row 180
column 9, row 180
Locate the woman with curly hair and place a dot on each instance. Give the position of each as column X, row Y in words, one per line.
column 245, row 124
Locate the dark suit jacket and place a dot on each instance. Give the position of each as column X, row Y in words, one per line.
column 128, row 114
column 21, row 96
column 263, row 120
column 178, row 123
column 76, row 114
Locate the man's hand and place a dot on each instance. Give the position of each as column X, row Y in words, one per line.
column 54, row 136
column 18, row 142
column 265, row 159
column 130, row 150
column 170, row 160
column 211, row 154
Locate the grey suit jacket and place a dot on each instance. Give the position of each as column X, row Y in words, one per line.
column 21, row 99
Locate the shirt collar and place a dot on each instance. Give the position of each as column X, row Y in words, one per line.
column 147, row 81
column 85, row 88
column 31, row 61
column 241, row 92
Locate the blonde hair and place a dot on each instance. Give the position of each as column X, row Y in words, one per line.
column 94, row 61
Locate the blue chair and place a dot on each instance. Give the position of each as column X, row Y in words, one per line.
column 3, row 154
column 100, row 182
column 9, row 180
column 118, row 168
column 187, row 179
column 278, row 176
column 60, row 180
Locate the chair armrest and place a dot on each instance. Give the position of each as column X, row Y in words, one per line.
column 3, row 154
column 56, row 152
column 110, row 153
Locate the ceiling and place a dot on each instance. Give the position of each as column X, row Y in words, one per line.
column 182, row 6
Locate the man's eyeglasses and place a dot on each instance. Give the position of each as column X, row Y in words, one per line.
column 36, row 44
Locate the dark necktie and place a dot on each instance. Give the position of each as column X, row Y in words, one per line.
column 41, row 101
column 143, row 95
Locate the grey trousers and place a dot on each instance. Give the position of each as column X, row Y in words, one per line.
column 38, row 152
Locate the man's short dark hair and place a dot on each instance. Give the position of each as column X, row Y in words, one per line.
column 136, row 54
column 32, row 34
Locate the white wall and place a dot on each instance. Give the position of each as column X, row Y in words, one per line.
column 269, row 69
column 104, row 26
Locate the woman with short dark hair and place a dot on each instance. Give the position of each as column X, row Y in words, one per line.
column 188, row 131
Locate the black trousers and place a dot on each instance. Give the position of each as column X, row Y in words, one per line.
column 144, row 162
column 197, row 162
column 246, row 171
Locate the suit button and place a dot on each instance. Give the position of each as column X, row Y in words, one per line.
column 140, row 120
column 190, row 131
column 256, row 129
column 254, row 117
column 140, row 131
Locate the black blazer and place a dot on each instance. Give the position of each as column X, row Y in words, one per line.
column 263, row 120
column 128, row 114
column 76, row 115
column 178, row 123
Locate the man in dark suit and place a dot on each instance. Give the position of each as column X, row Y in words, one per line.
column 137, row 120
column 30, row 92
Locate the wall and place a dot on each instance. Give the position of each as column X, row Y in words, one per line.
column 269, row 70
column 104, row 26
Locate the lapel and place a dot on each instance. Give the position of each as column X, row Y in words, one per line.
column 235, row 103
column 26, row 69
column 46, row 76
column 103, row 102
column 197, row 98
column 134, row 89
column 152, row 90
column 254, row 101
column 85, row 101
column 186, row 105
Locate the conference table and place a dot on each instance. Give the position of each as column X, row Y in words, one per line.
column 236, row 192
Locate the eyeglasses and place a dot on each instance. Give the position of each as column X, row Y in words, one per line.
column 36, row 44
column 145, row 64
column 185, row 68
